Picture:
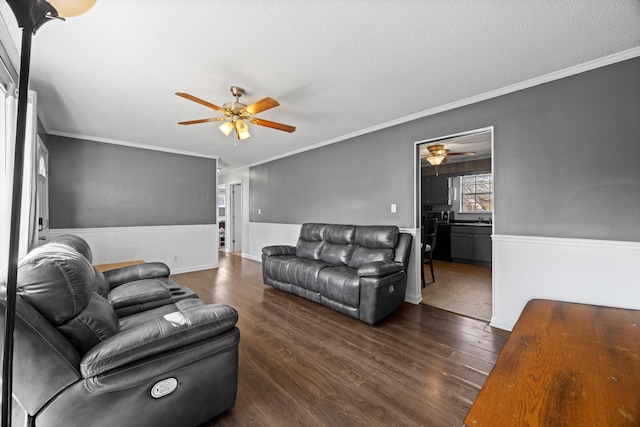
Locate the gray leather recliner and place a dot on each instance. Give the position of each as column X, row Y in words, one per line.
column 134, row 288
column 76, row 363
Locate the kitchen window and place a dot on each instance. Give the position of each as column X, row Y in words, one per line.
column 477, row 193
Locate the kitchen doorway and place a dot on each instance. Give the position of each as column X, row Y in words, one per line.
column 455, row 189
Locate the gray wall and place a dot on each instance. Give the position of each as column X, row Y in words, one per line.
column 94, row 184
column 565, row 156
column 352, row 182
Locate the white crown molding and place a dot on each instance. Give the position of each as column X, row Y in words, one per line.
column 130, row 144
column 556, row 75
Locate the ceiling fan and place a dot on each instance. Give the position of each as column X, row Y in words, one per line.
column 237, row 114
column 438, row 154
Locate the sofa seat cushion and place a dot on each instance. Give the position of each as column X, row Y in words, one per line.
column 132, row 320
column 276, row 267
column 305, row 273
column 139, row 292
column 340, row 284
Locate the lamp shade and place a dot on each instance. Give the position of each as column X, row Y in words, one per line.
column 226, row 128
column 435, row 160
column 71, row 8
column 243, row 130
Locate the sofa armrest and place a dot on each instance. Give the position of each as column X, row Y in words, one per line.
column 380, row 268
column 138, row 292
column 147, row 270
column 279, row 250
column 171, row 331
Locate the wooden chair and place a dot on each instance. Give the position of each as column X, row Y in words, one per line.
column 429, row 232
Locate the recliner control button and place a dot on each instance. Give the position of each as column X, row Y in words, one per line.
column 164, row 387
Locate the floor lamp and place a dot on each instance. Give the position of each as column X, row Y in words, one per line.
column 30, row 15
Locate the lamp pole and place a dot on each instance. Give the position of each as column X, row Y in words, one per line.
column 31, row 15
column 14, row 233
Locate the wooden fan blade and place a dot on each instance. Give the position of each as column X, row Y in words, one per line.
column 202, row 102
column 462, row 153
column 262, row 105
column 274, row 125
column 193, row 122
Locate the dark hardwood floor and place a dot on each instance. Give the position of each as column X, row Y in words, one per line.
column 304, row 364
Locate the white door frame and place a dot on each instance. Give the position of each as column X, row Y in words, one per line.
column 233, row 222
column 417, row 187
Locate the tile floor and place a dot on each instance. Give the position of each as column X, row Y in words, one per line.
column 460, row 288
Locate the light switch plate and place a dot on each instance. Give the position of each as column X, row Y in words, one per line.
column 393, row 208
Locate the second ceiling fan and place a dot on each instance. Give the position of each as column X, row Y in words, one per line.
column 438, row 154
column 237, row 114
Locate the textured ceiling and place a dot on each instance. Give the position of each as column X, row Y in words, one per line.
column 338, row 68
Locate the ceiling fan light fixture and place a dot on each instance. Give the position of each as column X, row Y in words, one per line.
column 242, row 129
column 71, row 8
column 226, row 128
column 435, row 160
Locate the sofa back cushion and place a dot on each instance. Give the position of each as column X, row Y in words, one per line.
column 311, row 241
column 336, row 254
column 58, row 282
column 340, row 234
column 77, row 243
column 338, row 245
column 377, row 236
column 373, row 243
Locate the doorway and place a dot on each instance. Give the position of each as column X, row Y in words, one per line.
column 42, row 191
column 455, row 189
column 234, row 218
column 221, row 215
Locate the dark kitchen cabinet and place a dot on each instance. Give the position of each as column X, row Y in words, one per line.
column 471, row 244
column 482, row 249
column 435, row 190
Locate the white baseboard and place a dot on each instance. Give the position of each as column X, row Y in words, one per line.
column 183, row 248
column 251, row 257
column 597, row 272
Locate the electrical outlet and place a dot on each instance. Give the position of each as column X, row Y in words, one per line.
column 393, row 208
column 175, row 258
column 259, row 211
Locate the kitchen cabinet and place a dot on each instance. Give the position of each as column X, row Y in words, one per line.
column 471, row 244
column 435, row 190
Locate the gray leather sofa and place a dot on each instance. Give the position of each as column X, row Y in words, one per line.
column 356, row 270
column 77, row 363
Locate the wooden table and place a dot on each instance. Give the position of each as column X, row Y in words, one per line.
column 105, row 267
column 565, row 364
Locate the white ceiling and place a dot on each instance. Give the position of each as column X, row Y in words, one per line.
column 338, row 68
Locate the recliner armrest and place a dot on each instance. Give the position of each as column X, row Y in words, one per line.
column 380, row 268
column 147, row 270
column 279, row 250
column 171, row 331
